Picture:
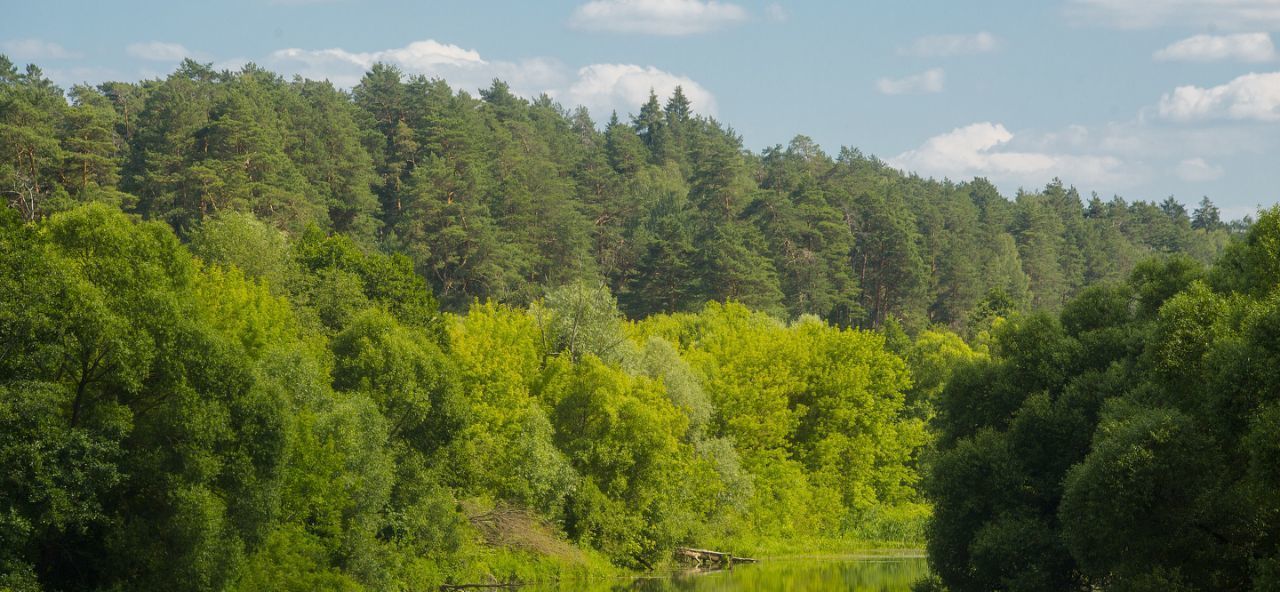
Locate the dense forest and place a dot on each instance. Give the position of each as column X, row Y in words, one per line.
column 260, row 334
column 1130, row 443
column 496, row 197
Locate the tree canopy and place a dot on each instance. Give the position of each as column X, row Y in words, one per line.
column 259, row 333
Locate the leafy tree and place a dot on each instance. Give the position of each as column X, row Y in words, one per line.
column 241, row 240
column 583, row 319
column 403, row 371
column 280, row 402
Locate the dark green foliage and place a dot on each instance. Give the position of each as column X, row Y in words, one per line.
column 340, row 278
column 496, row 196
column 1131, row 449
column 1206, row 216
column 164, row 442
column 403, row 371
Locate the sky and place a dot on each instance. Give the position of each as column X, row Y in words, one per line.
column 1138, row 98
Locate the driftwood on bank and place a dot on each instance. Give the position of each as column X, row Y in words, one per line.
column 698, row 557
column 449, row 587
column 702, row 557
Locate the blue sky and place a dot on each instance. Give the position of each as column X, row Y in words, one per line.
column 1141, row 98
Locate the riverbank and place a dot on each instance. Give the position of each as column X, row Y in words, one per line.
column 563, row 567
column 887, row 572
column 820, row 547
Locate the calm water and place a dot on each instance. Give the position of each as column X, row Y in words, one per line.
column 790, row 575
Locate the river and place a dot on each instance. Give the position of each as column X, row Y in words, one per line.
column 827, row 574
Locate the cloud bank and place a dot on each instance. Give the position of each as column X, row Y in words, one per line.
column 603, row 87
column 1201, row 14
column 981, row 150
column 1254, row 97
column 941, row 46
column 929, row 81
column 600, row 87
column 1196, row 170
column 658, row 17
column 1244, row 47
column 37, row 49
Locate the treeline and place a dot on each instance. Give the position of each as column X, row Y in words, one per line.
column 1131, row 443
column 266, row 334
column 498, row 197
column 280, row 413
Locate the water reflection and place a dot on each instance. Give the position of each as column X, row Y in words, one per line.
column 792, row 575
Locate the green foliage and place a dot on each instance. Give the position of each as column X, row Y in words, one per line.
column 1128, row 448
column 505, row 448
column 817, row 413
column 150, row 406
column 1148, row 468
column 405, row 373
column 171, row 422
column 661, row 360
column 933, row 357
column 340, row 278
column 241, row 240
column 281, row 403
column 493, row 196
column 623, row 436
column 581, row 319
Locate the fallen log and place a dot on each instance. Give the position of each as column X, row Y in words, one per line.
column 706, row 556
column 450, row 587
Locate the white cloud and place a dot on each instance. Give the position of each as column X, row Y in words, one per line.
column 419, row 56
column 929, row 81
column 68, row 77
column 232, row 64
column 37, row 49
column 600, row 87
column 1244, row 47
column 463, row 68
column 951, row 45
column 624, row 87
column 656, row 17
column 1147, row 140
column 1248, row 97
column 1196, row 170
column 158, row 51
column 1202, row 14
column 981, row 150
column 776, row 13
column 1139, row 159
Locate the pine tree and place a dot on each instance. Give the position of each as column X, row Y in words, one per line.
column 624, row 148
column 650, row 124
column 1039, row 233
column 1207, row 216
column 31, row 111
column 666, row 279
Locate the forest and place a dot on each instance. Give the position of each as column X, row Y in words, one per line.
column 268, row 334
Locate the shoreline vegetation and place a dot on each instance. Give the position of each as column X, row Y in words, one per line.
column 259, row 334
column 343, row 422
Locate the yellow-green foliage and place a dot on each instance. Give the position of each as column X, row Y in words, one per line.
column 214, row 434
column 244, row 310
column 504, row 447
column 816, row 411
column 933, row 357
